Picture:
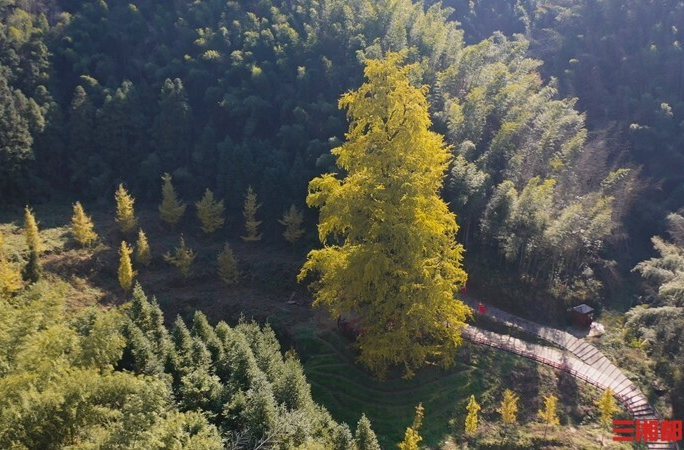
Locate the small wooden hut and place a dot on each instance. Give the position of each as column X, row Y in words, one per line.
column 582, row 316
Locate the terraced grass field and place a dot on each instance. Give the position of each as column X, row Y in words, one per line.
column 347, row 390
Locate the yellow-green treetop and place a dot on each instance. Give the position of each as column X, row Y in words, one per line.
column 125, row 215
column 31, row 231
column 126, row 272
column 143, row 254
column 411, row 438
column 171, row 209
column 292, row 220
column 389, row 252
column 607, row 407
column 182, row 258
column 550, row 412
column 10, row 277
column 82, row 226
column 249, row 213
column 210, row 212
column 509, row 407
column 471, row 420
column 227, row 266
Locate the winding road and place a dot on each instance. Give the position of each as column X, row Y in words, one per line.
column 577, row 357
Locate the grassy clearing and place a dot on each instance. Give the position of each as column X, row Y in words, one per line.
column 347, row 391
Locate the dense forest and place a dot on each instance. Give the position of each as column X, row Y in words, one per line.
column 563, row 138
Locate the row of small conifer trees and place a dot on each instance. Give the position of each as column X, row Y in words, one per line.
column 509, row 416
column 209, row 211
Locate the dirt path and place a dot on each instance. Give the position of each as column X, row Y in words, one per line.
column 579, row 358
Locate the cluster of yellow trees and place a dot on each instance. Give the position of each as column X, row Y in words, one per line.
column 209, row 211
column 508, row 409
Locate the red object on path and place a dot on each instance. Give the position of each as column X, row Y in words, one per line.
column 481, row 309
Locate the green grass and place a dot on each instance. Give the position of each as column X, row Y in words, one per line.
column 347, row 390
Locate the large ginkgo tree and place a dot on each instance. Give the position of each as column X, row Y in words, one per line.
column 389, row 253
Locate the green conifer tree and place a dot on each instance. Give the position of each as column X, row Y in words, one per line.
column 249, row 212
column 227, row 266
column 292, row 220
column 210, row 212
column 171, row 209
column 365, row 438
column 182, row 258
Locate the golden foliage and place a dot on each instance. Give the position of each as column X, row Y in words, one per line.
column 607, row 407
column 31, row 231
column 509, row 407
column 471, row 420
column 125, row 215
column 82, row 226
column 411, row 438
column 389, row 252
column 143, row 254
column 550, row 412
column 210, row 212
column 10, row 277
column 126, row 272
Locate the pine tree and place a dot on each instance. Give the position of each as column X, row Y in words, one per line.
column 125, row 215
column 82, row 226
column 342, row 438
column 210, row 212
column 249, row 213
column 143, row 254
column 33, row 269
column 394, row 262
column 126, row 272
column 292, row 220
column 472, row 417
column 182, row 258
column 412, row 438
column 365, row 438
column 550, row 412
column 227, row 266
column 171, row 209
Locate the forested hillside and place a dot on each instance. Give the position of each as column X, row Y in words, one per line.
column 239, row 94
column 623, row 60
column 533, row 148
